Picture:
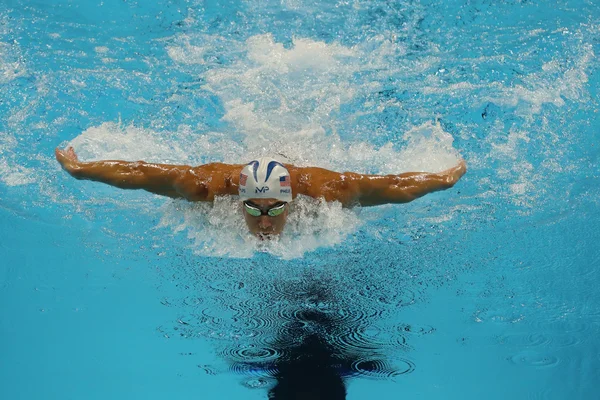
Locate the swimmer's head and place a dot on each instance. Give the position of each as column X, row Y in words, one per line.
column 265, row 190
column 265, row 217
column 265, row 178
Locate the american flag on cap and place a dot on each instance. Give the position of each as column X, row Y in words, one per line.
column 243, row 179
column 284, row 181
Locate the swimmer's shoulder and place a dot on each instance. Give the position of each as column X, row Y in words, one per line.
column 324, row 183
column 218, row 168
column 205, row 182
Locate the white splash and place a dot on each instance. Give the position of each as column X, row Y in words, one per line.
column 131, row 143
column 11, row 172
column 219, row 229
column 10, row 65
column 11, row 61
column 285, row 101
column 551, row 85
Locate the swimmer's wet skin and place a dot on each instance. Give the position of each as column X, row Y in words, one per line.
column 264, row 185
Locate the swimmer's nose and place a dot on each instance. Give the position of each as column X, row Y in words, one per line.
column 265, row 222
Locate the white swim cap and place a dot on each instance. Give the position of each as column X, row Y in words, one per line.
column 265, row 178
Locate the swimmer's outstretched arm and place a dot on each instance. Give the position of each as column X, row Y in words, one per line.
column 351, row 188
column 200, row 183
column 404, row 188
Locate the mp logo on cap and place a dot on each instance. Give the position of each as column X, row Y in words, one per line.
column 263, row 189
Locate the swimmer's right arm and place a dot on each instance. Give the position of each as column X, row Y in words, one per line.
column 175, row 181
column 403, row 188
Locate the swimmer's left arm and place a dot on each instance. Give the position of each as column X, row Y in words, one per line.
column 352, row 189
column 372, row 190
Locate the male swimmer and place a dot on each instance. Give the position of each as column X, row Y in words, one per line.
column 265, row 186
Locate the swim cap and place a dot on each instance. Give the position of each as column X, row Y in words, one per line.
column 265, row 178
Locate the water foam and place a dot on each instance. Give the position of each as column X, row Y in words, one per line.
column 219, row 230
column 552, row 85
column 215, row 229
column 11, row 61
column 11, row 67
column 287, row 101
column 11, row 172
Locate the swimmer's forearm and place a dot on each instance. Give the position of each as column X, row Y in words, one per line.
column 412, row 185
column 155, row 178
column 402, row 188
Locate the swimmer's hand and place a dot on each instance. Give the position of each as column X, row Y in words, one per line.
column 68, row 160
column 453, row 175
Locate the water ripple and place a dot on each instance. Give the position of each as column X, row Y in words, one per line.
column 364, row 338
column 253, row 370
column 382, row 369
column 529, row 340
column 532, row 359
column 250, row 353
column 417, row 330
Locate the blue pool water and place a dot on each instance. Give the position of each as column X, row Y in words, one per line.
column 487, row 290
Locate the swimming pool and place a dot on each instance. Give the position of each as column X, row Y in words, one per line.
column 487, row 290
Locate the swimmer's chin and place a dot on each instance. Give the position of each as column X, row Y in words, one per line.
column 267, row 235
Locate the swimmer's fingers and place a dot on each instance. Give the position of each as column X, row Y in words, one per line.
column 455, row 173
column 60, row 156
column 461, row 169
column 67, row 158
column 71, row 154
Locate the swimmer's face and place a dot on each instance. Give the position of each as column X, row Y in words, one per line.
column 265, row 225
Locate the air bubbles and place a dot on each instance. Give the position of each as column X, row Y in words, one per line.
column 417, row 330
column 256, row 383
column 498, row 316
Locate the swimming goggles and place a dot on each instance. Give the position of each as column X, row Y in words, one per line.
column 271, row 212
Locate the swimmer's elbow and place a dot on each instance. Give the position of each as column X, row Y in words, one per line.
column 192, row 190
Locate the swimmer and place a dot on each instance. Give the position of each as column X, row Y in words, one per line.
column 265, row 186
